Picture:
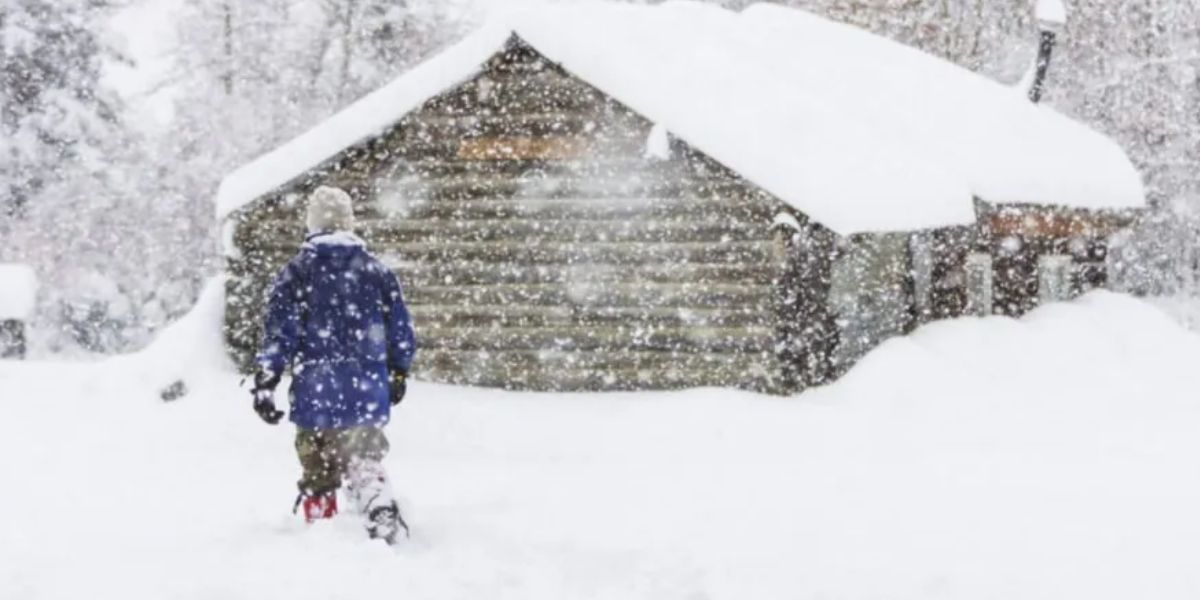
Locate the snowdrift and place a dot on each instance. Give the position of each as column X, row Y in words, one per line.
column 188, row 352
column 1051, row 457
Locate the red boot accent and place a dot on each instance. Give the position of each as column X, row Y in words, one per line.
column 323, row 506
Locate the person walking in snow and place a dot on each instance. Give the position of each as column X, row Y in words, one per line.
column 336, row 317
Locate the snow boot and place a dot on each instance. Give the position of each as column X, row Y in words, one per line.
column 384, row 522
column 317, row 506
column 367, row 487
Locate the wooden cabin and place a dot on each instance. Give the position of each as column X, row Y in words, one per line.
column 563, row 219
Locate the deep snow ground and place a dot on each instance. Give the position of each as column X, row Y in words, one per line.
column 1054, row 457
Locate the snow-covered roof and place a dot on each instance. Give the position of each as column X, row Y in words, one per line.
column 18, row 291
column 1051, row 11
column 856, row 131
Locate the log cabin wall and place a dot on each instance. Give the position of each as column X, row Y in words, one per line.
column 541, row 248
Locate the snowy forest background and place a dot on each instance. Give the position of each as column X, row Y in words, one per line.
column 119, row 119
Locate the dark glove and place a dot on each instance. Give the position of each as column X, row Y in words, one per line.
column 264, row 397
column 399, row 386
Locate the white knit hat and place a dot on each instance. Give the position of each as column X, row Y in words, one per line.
column 329, row 209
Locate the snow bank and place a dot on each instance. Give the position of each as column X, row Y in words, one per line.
column 859, row 132
column 1182, row 307
column 18, row 291
column 1051, row 457
column 190, row 350
column 1133, row 354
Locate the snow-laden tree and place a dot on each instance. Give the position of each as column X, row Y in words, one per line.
column 371, row 41
column 63, row 145
column 270, row 69
column 57, row 127
column 1130, row 69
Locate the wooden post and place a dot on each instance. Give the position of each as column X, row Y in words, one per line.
column 13, row 344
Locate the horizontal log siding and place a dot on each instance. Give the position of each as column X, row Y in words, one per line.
column 603, row 271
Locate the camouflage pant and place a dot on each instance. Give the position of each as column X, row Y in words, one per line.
column 326, row 454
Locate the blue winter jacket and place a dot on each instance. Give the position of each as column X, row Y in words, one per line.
column 336, row 315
